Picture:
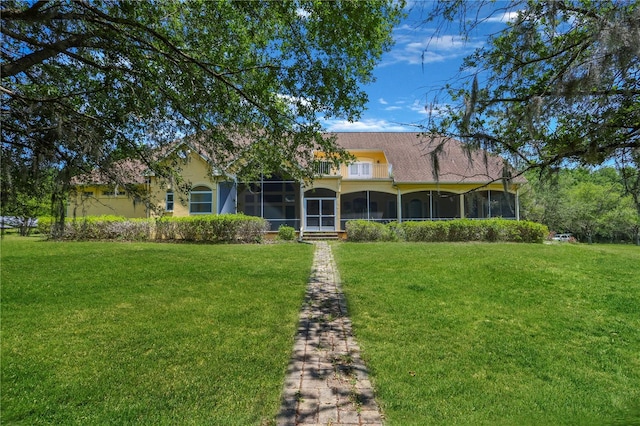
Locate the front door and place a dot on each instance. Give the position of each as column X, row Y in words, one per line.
column 320, row 214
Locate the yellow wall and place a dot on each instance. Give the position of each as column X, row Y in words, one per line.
column 91, row 201
column 457, row 188
column 369, row 156
column 363, row 155
column 195, row 172
column 193, row 168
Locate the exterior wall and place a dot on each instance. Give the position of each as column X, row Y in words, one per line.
column 195, row 172
column 385, row 199
column 91, row 200
column 374, row 156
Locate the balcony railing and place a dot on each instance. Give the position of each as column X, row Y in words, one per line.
column 356, row 170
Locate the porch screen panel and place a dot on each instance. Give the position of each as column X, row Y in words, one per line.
column 274, row 199
column 382, row 206
column 416, row 205
column 446, row 205
column 503, row 204
column 477, row 205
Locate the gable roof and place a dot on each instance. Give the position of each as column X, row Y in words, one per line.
column 129, row 171
column 409, row 153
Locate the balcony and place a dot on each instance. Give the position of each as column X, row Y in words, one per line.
column 356, row 170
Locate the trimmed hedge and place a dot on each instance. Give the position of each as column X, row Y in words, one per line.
column 492, row 230
column 363, row 230
column 225, row 228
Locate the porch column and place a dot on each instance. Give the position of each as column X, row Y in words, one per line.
column 430, row 205
column 301, row 211
column 489, row 204
column 399, row 206
column 461, row 206
column 517, row 203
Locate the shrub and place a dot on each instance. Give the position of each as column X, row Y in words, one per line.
column 363, row 230
column 226, row 228
column 44, row 225
column 426, row 231
column 286, row 233
column 454, row 230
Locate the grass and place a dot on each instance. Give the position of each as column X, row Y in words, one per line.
column 498, row 333
column 97, row 333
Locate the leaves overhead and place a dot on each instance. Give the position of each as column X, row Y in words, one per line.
column 559, row 85
column 87, row 83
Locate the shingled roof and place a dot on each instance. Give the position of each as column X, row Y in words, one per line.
column 410, row 155
column 408, row 152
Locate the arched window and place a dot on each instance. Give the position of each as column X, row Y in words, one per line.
column 201, row 200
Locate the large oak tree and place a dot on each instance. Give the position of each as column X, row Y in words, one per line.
column 561, row 83
column 85, row 83
column 559, row 86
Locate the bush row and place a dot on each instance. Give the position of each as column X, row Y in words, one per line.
column 225, row 228
column 453, row 230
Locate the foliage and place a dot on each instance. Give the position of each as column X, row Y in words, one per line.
column 594, row 205
column 85, row 84
column 455, row 230
column 497, row 334
column 148, row 334
column 286, row 233
column 364, row 230
column 559, row 85
column 24, row 193
column 224, row 228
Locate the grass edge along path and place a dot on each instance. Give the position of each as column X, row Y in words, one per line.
column 498, row 333
column 145, row 333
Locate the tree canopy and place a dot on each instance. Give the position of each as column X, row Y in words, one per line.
column 593, row 205
column 560, row 85
column 86, row 83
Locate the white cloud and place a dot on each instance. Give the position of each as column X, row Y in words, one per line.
column 503, row 17
column 393, row 108
column 418, row 107
column 382, row 101
column 367, row 125
column 423, row 47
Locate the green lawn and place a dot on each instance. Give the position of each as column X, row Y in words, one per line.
column 498, row 333
column 97, row 333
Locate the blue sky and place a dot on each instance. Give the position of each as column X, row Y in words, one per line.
column 421, row 61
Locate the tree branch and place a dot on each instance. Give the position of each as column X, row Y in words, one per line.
column 26, row 62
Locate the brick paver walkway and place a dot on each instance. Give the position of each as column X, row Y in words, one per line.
column 327, row 382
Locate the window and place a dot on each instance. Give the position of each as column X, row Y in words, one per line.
column 361, row 170
column 201, row 200
column 113, row 193
column 169, row 201
column 87, row 194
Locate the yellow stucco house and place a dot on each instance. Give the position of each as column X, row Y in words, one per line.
column 391, row 179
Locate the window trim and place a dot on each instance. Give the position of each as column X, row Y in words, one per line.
column 208, row 191
column 361, row 169
column 168, row 202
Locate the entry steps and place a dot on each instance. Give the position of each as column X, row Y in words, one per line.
column 320, row 236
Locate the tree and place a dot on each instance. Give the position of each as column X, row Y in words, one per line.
column 559, row 85
column 87, row 83
column 592, row 204
column 25, row 195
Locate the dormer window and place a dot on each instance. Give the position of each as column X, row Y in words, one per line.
column 360, row 170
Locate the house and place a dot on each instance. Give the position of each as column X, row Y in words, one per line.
column 392, row 179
